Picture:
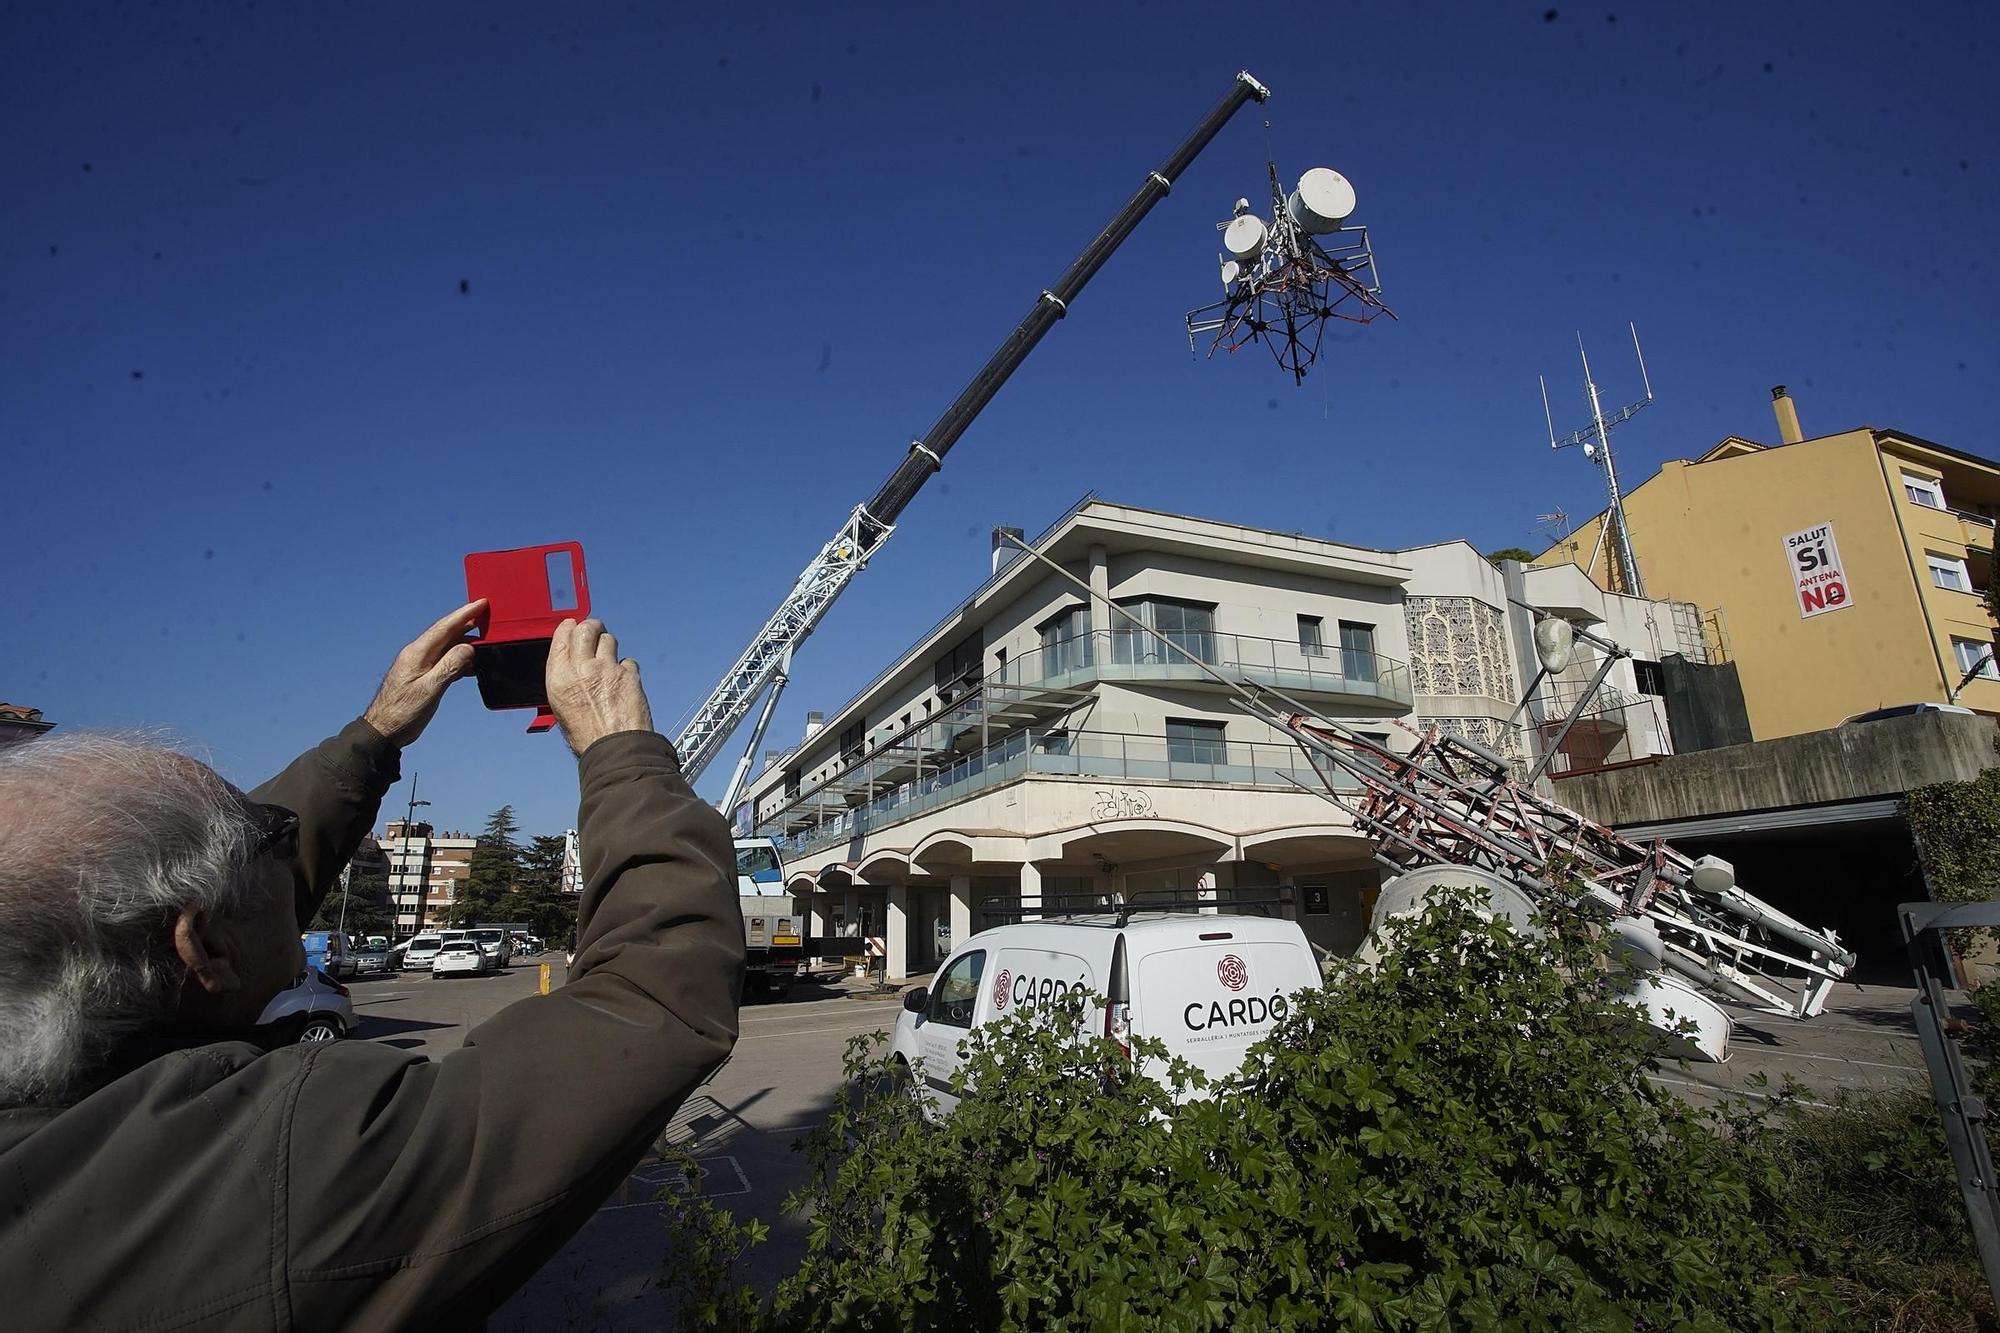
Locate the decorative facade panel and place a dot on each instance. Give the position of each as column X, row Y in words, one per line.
column 1490, row 732
column 1458, row 645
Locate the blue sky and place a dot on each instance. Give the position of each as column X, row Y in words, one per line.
column 297, row 308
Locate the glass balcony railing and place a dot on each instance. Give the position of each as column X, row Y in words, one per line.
column 1280, row 663
column 1112, row 756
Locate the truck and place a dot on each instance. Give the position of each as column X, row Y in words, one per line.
column 774, row 938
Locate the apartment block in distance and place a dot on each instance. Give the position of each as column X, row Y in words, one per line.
column 1033, row 744
column 425, row 869
column 1847, row 572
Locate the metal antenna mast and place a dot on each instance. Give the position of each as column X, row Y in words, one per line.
column 1595, row 440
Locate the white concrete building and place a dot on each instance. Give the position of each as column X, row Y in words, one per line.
column 1032, row 744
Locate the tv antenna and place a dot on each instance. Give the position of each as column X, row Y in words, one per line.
column 1614, row 534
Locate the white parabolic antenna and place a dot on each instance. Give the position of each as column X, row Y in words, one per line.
column 1244, row 237
column 1322, row 202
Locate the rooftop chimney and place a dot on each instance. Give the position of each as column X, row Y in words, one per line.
column 1788, row 416
column 1005, row 552
column 814, row 723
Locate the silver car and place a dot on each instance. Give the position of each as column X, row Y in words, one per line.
column 418, row 954
column 315, row 1008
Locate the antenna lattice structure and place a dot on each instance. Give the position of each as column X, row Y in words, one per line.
column 1614, row 535
column 1283, row 280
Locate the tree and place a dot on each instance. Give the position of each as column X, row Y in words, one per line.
column 368, row 909
column 537, row 897
column 496, row 865
column 1521, row 553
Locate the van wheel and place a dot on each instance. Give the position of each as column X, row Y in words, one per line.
column 318, row 1029
column 902, row 1082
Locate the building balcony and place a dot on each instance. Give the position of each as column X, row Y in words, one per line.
column 809, row 823
column 1346, row 675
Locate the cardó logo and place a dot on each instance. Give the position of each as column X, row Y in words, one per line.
column 1232, row 972
column 1002, row 984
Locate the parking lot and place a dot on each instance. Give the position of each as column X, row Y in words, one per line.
column 744, row 1123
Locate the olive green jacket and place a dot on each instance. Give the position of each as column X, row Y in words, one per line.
column 211, row 1184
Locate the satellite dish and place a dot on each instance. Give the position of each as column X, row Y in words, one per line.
column 1554, row 639
column 1322, row 202
column 1589, row 449
column 1244, row 237
column 1712, row 874
column 1231, row 270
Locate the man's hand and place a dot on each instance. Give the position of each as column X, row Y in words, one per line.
column 591, row 692
column 421, row 674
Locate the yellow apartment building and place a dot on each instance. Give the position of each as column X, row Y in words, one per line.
column 1848, row 572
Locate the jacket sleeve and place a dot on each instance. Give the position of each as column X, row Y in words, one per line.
column 335, row 788
column 420, row 1189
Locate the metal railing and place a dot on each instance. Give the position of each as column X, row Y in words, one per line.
column 1059, row 752
column 1284, row 664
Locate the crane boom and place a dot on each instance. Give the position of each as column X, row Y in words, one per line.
column 869, row 525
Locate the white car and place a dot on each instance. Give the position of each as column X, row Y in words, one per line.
column 1207, row 986
column 315, row 1008
column 458, row 957
column 418, row 953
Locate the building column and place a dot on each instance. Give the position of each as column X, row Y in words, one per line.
column 961, row 910
column 1031, row 887
column 896, row 931
column 1100, row 589
column 852, row 907
column 1204, row 891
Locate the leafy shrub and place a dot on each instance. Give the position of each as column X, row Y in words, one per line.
column 1461, row 1138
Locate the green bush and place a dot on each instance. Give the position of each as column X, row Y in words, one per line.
column 1462, row 1138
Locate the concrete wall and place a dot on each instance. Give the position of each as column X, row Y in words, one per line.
column 1868, row 761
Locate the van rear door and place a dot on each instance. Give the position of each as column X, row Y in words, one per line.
column 1210, row 1001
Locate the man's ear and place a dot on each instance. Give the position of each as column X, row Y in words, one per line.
column 202, row 948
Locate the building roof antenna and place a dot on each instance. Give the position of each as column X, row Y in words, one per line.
column 1595, row 440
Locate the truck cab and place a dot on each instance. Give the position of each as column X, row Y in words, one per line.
column 773, row 931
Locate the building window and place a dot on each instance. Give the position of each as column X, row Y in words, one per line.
column 853, row 739
column 957, row 992
column 1923, row 490
column 1191, row 742
column 1065, row 641
column 959, row 668
column 1189, row 626
column 1649, row 677
column 1975, row 653
column 791, row 783
column 1357, row 650
column 1312, row 636
column 1948, row 572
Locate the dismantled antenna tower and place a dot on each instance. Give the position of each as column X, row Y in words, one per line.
column 1284, row 279
column 1614, row 537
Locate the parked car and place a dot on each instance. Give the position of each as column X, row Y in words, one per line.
column 495, row 944
column 316, row 1008
column 375, row 960
column 1206, row 986
column 458, row 957
column 419, row 952
column 1902, row 710
column 328, row 951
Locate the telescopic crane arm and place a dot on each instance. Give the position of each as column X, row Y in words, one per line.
column 869, row 525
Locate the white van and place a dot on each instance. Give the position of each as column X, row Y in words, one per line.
column 1207, row 986
column 419, row 952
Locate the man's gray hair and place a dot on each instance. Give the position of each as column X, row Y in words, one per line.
column 104, row 841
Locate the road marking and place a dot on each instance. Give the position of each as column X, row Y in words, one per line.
column 1830, row 1059
column 1715, row 1090
column 663, row 1176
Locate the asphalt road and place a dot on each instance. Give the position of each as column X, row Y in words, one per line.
column 786, row 1070
column 741, row 1125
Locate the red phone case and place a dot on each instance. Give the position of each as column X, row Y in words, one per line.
column 526, row 601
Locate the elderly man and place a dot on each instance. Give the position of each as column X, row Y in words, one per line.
column 158, row 1167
